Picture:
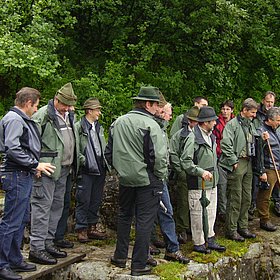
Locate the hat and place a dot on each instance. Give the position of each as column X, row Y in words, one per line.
column 148, row 94
column 192, row 113
column 66, row 95
column 162, row 101
column 206, row 114
column 92, row 103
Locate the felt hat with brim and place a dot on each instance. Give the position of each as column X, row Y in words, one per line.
column 192, row 113
column 66, row 95
column 206, row 114
column 148, row 94
column 92, row 103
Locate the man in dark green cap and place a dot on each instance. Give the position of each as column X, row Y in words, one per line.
column 138, row 151
column 59, row 147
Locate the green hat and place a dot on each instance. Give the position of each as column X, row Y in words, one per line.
column 192, row 113
column 92, row 103
column 148, row 94
column 66, row 95
column 206, row 114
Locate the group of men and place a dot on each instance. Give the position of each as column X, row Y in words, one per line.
column 212, row 157
column 42, row 152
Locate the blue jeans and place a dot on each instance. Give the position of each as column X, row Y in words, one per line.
column 166, row 222
column 17, row 186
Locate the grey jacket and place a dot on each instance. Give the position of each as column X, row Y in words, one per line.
column 20, row 142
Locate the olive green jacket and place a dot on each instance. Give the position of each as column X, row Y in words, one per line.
column 52, row 140
column 233, row 143
column 137, row 149
column 198, row 157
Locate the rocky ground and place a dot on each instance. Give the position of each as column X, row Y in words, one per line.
column 254, row 260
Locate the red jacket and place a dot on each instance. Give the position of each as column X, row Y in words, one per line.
column 218, row 132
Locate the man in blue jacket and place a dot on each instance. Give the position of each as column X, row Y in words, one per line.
column 21, row 144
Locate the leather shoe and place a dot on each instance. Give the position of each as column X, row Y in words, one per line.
column 182, row 238
column 7, row 274
column 151, row 261
column 154, row 250
column 141, row 271
column 158, row 243
column 55, row 252
column 63, row 243
column 268, row 226
column 176, row 257
column 246, row 233
column 201, row 249
column 41, row 257
column 213, row 245
column 118, row 262
column 23, row 267
column 235, row 236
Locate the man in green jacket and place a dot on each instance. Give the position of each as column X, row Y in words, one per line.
column 92, row 172
column 199, row 161
column 176, row 147
column 137, row 150
column 59, row 147
column 238, row 149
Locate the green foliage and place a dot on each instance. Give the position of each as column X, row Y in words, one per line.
column 220, row 49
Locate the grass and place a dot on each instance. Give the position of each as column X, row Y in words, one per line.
column 170, row 271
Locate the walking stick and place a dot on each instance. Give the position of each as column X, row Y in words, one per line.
column 273, row 160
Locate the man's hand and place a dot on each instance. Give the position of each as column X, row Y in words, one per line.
column 46, row 168
column 235, row 166
column 265, row 135
column 263, row 177
column 207, row 176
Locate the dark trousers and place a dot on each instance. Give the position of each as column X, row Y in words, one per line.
column 62, row 224
column 90, row 189
column 144, row 203
column 17, row 186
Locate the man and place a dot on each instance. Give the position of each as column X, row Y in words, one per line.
column 60, row 241
column 176, row 148
column 181, row 121
column 137, row 150
column 268, row 102
column 20, row 144
column 165, row 212
column 92, row 172
column 270, row 125
column 59, row 146
column 199, row 160
column 225, row 116
column 238, row 148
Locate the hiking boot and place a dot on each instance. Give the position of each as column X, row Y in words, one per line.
column 63, row 243
column 151, row 261
column 41, row 257
column 201, row 249
column 213, row 245
column 118, row 262
column 55, row 252
column 158, row 243
column 176, row 257
column 82, row 235
column 268, row 226
column 154, row 250
column 182, row 237
column 235, row 236
column 246, row 233
column 141, row 271
column 94, row 233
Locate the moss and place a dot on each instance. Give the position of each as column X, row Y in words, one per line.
column 170, row 271
column 234, row 250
